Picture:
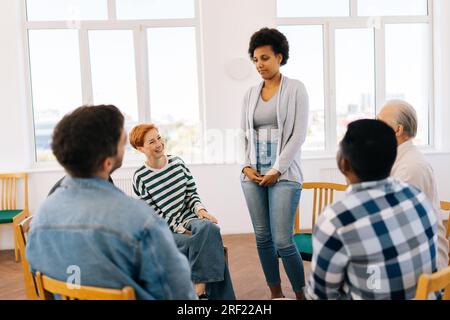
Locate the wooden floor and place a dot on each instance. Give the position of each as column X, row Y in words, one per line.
column 248, row 278
column 11, row 277
column 245, row 269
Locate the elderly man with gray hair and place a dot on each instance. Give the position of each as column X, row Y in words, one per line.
column 411, row 166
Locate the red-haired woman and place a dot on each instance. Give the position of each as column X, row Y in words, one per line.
column 166, row 184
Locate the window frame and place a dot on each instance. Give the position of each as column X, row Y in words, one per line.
column 329, row 25
column 139, row 29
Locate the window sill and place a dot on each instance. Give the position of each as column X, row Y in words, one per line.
column 134, row 163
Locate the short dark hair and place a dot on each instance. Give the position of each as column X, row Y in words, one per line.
column 85, row 137
column 270, row 37
column 371, row 148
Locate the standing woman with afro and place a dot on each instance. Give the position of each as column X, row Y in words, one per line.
column 274, row 118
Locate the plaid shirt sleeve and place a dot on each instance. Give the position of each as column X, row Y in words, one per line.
column 329, row 260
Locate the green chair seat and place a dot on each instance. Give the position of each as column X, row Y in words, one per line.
column 303, row 241
column 6, row 216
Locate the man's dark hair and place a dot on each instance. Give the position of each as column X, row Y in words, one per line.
column 85, row 137
column 270, row 37
column 371, row 148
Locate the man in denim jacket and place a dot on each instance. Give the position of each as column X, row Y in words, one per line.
column 90, row 233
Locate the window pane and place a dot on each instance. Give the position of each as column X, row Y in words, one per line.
column 408, row 69
column 306, row 64
column 155, row 9
column 113, row 71
column 49, row 10
column 313, row 8
column 56, row 82
column 174, row 101
column 392, row 7
column 355, row 83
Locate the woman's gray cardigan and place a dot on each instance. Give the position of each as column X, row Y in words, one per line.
column 292, row 119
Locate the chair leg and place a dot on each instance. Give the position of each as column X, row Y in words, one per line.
column 16, row 247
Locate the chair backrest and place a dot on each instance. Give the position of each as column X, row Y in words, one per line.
column 48, row 287
column 432, row 283
column 21, row 230
column 323, row 196
column 445, row 206
column 9, row 190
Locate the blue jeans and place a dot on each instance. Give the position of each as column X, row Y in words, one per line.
column 204, row 250
column 266, row 153
column 272, row 210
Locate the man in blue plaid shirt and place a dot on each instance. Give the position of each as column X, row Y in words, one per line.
column 375, row 242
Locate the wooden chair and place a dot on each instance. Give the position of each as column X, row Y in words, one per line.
column 432, row 283
column 8, row 210
column 445, row 206
column 323, row 196
column 21, row 230
column 48, row 287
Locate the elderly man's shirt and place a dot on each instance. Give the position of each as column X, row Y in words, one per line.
column 374, row 243
column 411, row 167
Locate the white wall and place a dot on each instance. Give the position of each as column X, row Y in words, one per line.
column 14, row 145
column 224, row 41
column 442, row 73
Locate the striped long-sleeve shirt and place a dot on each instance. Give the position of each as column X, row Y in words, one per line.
column 170, row 191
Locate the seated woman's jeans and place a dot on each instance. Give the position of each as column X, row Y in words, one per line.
column 272, row 210
column 204, row 250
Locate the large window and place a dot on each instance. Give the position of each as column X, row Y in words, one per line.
column 407, row 73
column 354, row 76
column 307, row 64
column 315, row 8
column 143, row 56
column 59, row 10
column 353, row 55
column 136, row 54
column 111, row 54
column 56, row 81
column 175, row 110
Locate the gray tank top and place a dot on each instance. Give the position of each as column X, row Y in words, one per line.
column 265, row 119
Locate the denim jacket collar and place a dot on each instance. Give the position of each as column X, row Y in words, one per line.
column 92, row 182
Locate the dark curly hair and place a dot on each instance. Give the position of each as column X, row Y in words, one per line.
column 85, row 137
column 270, row 37
column 370, row 147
